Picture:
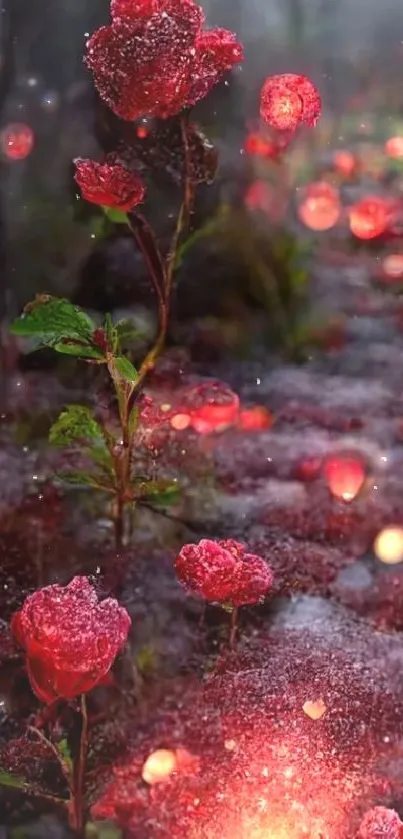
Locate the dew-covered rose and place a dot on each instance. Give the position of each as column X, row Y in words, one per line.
column 109, row 184
column 223, row 572
column 380, row 823
column 155, row 59
column 70, row 639
column 288, row 100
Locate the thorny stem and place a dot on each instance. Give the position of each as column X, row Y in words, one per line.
column 233, row 626
column 161, row 275
column 77, row 796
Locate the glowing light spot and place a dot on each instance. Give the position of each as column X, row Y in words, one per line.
column 257, row 418
column 320, row 207
column 394, row 147
column 344, row 162
column 230, row 745
column 180, row 422
column 16, row 141
column 257, row 145
column 393, row 266
column 314, row 709
column 159, row 766
column 388, row 545
column 142, row 132
column 369, row 217
column 345, row 476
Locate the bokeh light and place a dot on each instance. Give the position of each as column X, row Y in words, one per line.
column 315, row 709
column 345, row 162
column 393, row 266
column 394, row 147
column 345, row 476
column 158, row 766
column 16, row 141
column 319, row 207
column 369, row 217
column 388, row 545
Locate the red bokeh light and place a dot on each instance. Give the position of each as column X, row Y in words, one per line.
column 345, row 476
column 394, row 147
column 256, row 144
column 257, row 418
column 17, row 140
column 369, row 217
column 393, row 266
column 320, row 206
column 345, row 163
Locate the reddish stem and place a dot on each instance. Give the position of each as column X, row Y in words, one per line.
column 77, row 796
column 233, row 626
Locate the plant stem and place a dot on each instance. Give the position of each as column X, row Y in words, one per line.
column 233, row 626
column 62, row 763
column 77, row 796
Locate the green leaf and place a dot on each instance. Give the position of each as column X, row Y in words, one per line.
column 125, row 369
column 126, row 332
column 158, row 492
column 111, row 333
column 115, row 215
column 83, row 479
column 53, row 319
column 65, row 753
column 102, row 830
column 76, row 425
column 78, row 349
column 7, row 779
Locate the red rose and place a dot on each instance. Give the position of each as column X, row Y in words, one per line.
column 111, row 185
column 223, row 572
column 70, row 640
column 288, row 100
column 380, row 823
column 211, row 406
column 155, row 59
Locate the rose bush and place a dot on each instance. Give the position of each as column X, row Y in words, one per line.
column 155, row 59
column 223, row 572
column 70, row 639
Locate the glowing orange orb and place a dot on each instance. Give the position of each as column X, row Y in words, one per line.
column 142, row 132
column 17, row 141
column 394, row 147
column 388, row 545
column 344, row 162
column 393, row 265
column 314, row 709
column 369, row 217
column 345, row 476
column 158, row 766
column 180, row 421
column 320, row 206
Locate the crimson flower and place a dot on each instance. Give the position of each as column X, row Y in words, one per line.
column 70, row 640
column 380, row 823
column 288, row 100
column 223, row 572
column 155, row 59
column 109, row 184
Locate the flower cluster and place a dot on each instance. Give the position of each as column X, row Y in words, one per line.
column 223, row 572
column 70, row 639
column 155, row 58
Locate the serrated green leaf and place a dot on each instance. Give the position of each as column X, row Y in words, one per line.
column 158, row 492
column 76, row 425
column 7, row 779
column 78, row 349
column 115, row 215
column 125, row 369
column 53, row 320
column 83, row 479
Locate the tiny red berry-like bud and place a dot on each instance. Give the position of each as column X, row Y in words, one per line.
column 222, row 572
column 70, row 639
column 110, row 185
column 99, row 338
column 288, row 100
column 380, row 823
column 155, row 59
